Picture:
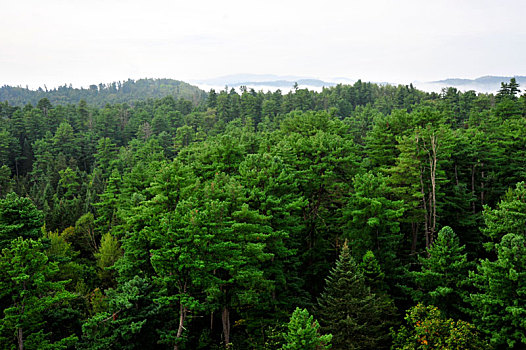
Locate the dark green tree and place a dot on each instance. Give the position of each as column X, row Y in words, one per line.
column 499, row 306
column 443, row 276
column 18, row 218
column 347, row 309
column 28, row 295
column 509, row 216
column 373, row 220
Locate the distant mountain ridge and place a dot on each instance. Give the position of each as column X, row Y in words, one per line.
column 134, row 90
column 485, row 84
column 487, row 79
column 285, row 82
column 99, row 95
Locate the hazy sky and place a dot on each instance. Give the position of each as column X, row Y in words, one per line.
column 82, row 42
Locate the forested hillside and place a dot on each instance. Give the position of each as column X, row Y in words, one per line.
column 99, row 95
column 358, row 217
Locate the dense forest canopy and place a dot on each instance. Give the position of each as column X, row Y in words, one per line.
column 358, row 217
column 101, row 94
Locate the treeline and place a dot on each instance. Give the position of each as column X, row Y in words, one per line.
column 99, row 95
column 266, row 220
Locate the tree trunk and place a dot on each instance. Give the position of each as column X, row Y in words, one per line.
column 482, row 186
column 20, row 336
column 225, row 317
column 424, row 200
column 433, row 163
column 182, row 316
column 473, row 188
column 414, row 229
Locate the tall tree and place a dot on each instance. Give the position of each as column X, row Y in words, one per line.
column 373, row 221
column 28, row 293
column 357, row 318
column 499, row 307
column 509, row 216
column 18, row 218
column 443, row 276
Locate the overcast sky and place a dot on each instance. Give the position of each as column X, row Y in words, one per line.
column 54, row 42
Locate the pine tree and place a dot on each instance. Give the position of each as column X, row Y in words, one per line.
column 109, row 252
column 108, row 206
column 442, row 279
column 304, row 333
column 373, row 221
column 509, row 216
column 28, row 295
column 499, row 307
column 18, row 218
column 357, row 318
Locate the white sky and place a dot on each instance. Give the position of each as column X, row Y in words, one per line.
column 86, row 42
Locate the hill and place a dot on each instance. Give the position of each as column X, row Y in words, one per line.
column 485, row 84
column 101, row 94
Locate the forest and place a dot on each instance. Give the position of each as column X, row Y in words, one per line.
column 362, row 216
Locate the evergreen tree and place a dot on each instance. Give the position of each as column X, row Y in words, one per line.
column 18, row 218
column 443, row 275
column 6, row 182
column 373, row 221
column 304, row 333
column 109, row 252
column 509, row 216
column 499, row 307
column 28, row 295
column 357, row 318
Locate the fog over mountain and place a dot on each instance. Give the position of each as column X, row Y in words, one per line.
column 272, row 82
column 485, row 84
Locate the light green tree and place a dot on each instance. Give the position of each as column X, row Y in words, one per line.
column 304, row 333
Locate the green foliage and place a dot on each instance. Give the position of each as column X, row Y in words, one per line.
column 29, row 297
column 508, row 217
column 85, row 236
column 356, row 317
column 109, row 252
column 6, row 183
column 443, row 276
column 18, row 218
column 427, row 328
column 499, row 305
column 200, row 224
column 116, row 92
column 373, row 220
column 128, row 318
column 304, row 333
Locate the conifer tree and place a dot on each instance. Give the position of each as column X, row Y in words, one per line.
column 374, row 222
column 509, row 216
column 28, row 294
column 109, row 252
column 18, row 218
column 499, row 308
column 304, row 333
column 357, row 318
column 442, row 279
